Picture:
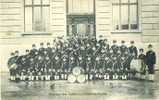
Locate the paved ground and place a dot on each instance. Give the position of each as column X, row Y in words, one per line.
column 93, row 90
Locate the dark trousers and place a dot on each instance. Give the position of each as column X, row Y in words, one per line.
column 151, row 69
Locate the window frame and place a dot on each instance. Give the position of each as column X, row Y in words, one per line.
column 138, row 30
column 32, row 6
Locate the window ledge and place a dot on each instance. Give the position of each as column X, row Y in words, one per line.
column 36, row 33
column 126, row 32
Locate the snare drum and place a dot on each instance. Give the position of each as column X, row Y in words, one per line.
column 81, row 78
column 72, row 78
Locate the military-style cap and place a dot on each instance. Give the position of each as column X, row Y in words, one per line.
column 132, row 42
column 150, row 46
column 12, row 54
column 114, row 41
column 48, row 43
column 33, row 45
column 100, row 36
column 27, row 50
column 141, row 50
column 122, row 41
column 41, row 43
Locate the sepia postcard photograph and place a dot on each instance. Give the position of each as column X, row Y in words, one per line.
column 79, row 49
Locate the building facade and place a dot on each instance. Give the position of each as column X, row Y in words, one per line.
column 24, row 22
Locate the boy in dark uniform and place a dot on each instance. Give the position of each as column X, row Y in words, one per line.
column 18, row 63
column 88, row 68
column 114, row 47
column 88, row 49
column 49, row 49
column 24, row 64
column 33, row 51
column 11, row 63
column 97, row 66
column 107, row 67
column 142, row 57
column 115, row 67
column 122, row 67
column 64, row 67
column 41, row 49
column 31, row 69
column 72, row 62
column 150, row 61
column 123, row 47
column 80, row 61
column 106, row 45
column 133, row 50
column 47, row 64
column 39, row 64
column 57, row 65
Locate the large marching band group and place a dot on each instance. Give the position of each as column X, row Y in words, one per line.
column 97, row 59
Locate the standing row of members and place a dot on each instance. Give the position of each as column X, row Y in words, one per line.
column 97, row 58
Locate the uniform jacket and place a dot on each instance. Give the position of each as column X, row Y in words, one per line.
column 150, row 58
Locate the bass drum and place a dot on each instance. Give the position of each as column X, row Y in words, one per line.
column 81, row 79
column 72, row 78
column 77, row 71
column 136, row 64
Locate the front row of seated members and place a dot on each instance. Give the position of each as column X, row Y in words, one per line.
column 95, row 57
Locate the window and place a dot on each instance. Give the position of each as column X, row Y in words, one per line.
column 37, row 15
column 125, row 15
column 80, row 6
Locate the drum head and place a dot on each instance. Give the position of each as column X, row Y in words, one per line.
column 76, row 71
column 71, row 78
column 81, row 78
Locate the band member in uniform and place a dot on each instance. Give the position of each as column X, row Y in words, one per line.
column 89, row 65
column 122, row 66
column 123, row 47
column 64, row 66
column 33, row 51
column 115, row 66
column 114, row 47
column 31, row 69
column 49, row 49
column 107, row 67
column 57, row 65
column 41, row 49
column 47, row 65
column 40, row 64
column 106, row 45
column 88, row 49
column 12, row 70
column 133, row 50
column 72, row 62
column 150, row 61
column 80, row 61
column 18, row 63
column 97, row 66
column 25, row 64
column 142, row 57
